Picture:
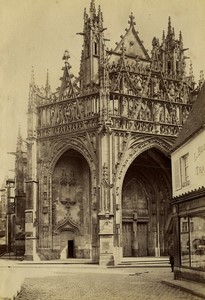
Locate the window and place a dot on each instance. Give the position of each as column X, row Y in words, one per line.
column 181, row 172
column 192, row 242
column 184, row 170
column 177, row 179
column 184, row 226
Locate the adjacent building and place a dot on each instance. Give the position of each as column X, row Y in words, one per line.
column 188, row 203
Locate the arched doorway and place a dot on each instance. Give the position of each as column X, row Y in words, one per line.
column 145, row 205
column 71, row 206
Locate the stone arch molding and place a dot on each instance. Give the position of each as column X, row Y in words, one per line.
column 64, row 145
column 67, row 225
column 134, row 151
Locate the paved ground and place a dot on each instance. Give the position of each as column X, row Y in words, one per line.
column 97, row 283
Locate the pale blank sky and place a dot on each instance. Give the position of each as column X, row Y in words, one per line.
column 36, row 33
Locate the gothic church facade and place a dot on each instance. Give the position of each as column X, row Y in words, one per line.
column 98, row 170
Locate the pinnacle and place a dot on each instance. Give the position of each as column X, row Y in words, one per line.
column 169, row 31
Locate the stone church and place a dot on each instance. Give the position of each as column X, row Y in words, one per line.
column 98, row 171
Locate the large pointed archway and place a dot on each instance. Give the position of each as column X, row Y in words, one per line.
column 145, row 205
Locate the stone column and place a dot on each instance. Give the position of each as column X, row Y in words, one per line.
column 31, row 201
column 106, row 217
column 135, row 245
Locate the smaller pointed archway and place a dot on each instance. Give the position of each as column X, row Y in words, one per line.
column 71, row 206
column 145, row 205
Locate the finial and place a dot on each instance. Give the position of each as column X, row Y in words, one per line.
column 131, row 20
column 66, row 56
column 92, row 7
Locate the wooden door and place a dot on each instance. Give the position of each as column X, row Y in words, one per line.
column 142, row 238
column 127, row 238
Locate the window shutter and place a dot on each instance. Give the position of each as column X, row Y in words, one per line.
column 177, row 177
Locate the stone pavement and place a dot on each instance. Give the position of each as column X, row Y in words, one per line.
column 100, row 283
column 92, row 282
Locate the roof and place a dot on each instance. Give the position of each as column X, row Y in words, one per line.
column 194, row 122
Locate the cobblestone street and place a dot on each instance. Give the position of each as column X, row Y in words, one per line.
column 101, row 284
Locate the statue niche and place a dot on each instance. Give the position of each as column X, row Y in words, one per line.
column 67, row 189
column 69, row 199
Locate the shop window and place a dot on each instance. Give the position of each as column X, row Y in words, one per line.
column 197, row 243
column 184, row 242
column 192, row 241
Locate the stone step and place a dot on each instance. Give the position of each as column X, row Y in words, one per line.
column 144, row 262
column 11, row 256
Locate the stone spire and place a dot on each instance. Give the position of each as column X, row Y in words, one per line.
column 169, row 30
column 32, row 89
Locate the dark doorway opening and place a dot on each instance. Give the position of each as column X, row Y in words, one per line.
column 70, row 249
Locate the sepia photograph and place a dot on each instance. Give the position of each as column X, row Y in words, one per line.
column 102, row 149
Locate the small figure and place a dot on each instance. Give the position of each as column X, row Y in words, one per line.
column 171, row 261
